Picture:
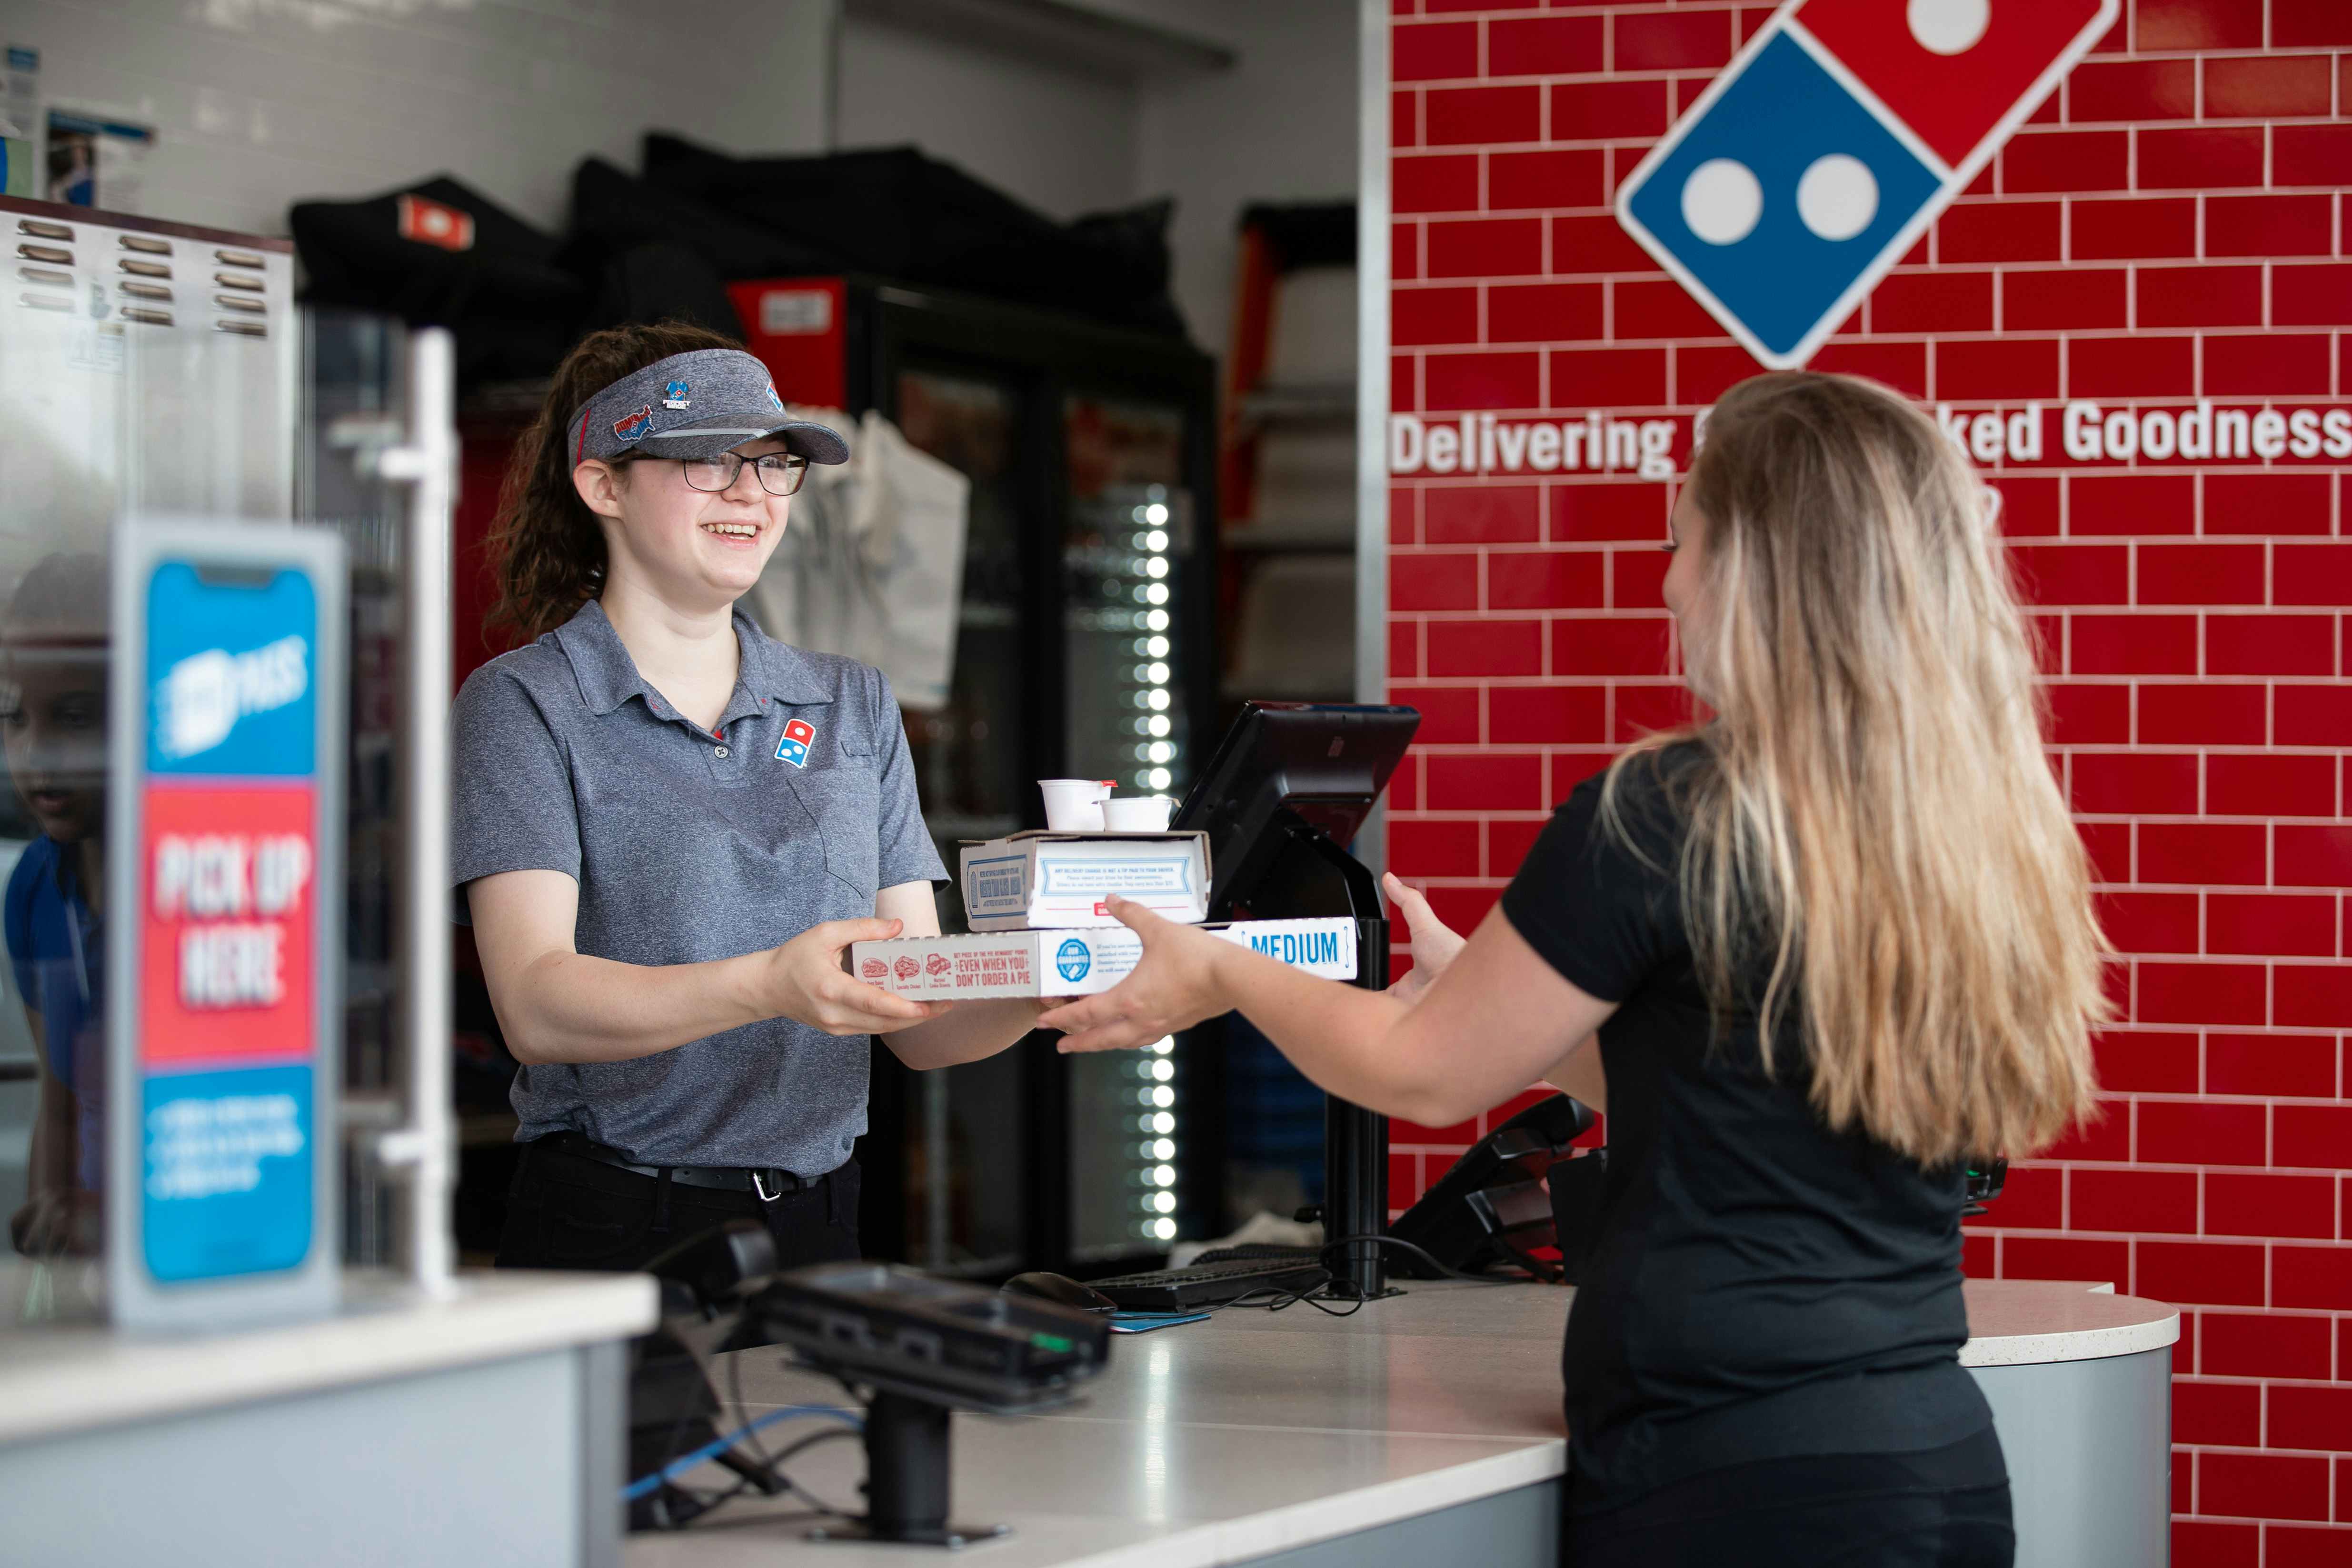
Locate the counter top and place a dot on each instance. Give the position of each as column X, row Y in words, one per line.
column 2015, row 1321
column 1257, row 1432
column 67, row 1376
column 1208, row 1443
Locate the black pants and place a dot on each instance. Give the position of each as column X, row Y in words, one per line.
column 568, row 1211
column 1946, row 1507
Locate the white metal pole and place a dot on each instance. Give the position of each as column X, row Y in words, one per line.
column 424, row 1147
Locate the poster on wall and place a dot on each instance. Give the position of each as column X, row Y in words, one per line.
column 227, row 783
column 94, row 162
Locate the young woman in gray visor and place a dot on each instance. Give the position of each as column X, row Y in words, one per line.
column 666, row 828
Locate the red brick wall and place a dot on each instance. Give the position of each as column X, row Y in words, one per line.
column 2172, row 224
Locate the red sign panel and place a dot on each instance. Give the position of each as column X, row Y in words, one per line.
column 226, row 906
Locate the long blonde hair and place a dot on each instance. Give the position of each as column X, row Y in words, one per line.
column 1872, row 802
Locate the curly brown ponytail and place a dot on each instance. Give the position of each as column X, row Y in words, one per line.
column 546, row 547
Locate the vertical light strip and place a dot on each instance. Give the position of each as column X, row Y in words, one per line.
column 1157, row 1152
column 1372, row 388
column 1149, row 540
column 1153, row 1149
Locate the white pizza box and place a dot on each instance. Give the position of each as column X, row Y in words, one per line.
column 1048, row 881
column 1075, row 961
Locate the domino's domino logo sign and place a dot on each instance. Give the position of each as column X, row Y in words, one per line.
column 1825, row 149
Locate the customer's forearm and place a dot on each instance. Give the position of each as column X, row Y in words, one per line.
column 964, row 1033
column 1348, row 1041
column 1409, row 1060
column 1580, row 1076
column 568, row 1008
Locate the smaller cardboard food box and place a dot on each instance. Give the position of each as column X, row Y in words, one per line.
column 1037, row 882
column 1076, row 962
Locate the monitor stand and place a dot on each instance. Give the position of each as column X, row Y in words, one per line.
column 906, row 1478
column 1312, row 876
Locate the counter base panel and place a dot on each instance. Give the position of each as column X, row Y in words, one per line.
column 476, row 1463
column 2089, row 1445
column 1512, row 1527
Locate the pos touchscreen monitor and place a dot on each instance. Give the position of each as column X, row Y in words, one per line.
column 1283, row 766
column 1288, row 788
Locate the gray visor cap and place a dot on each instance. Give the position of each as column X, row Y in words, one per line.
column 695, row 405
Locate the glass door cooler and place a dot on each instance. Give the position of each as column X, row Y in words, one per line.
column 1082, row 643
column 154, row 370
column 1085, row 647
column 144, row 367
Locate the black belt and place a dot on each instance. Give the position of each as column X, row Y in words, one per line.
column 766, row 1182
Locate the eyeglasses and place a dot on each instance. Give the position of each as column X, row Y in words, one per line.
column 780, row 472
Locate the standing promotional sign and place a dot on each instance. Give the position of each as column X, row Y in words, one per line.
column 225, row 797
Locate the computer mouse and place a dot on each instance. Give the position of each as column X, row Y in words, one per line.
column 1060, row 1289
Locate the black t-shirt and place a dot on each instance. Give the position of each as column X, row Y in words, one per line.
column 1761, row 1287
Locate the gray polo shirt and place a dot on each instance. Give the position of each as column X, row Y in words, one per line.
column 689, row 846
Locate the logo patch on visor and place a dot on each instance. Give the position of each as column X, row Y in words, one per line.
column 632, row 427
column 798, row 736
column 773, row 401
column 674, row 394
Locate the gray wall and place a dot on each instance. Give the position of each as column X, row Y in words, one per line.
column 259, row 103
column 1280, row 126
column 1061, row 140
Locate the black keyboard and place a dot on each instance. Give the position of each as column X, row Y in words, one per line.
column 1209, row 1284
column 1259, row 1252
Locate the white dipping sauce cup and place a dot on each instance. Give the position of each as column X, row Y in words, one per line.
column 1074, row 806
column 1138, row 813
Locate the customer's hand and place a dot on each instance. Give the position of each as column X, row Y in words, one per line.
column 52, row 1223
column 1434, row 944
column 1174, row 985
column 28, row 1225
column 806, row 981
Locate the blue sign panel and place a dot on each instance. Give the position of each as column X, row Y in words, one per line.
column 227, row 1162
column 231, row 675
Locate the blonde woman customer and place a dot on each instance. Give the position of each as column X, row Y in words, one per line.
column 1811, row 954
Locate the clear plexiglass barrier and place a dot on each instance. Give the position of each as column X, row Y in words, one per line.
column 148, row 370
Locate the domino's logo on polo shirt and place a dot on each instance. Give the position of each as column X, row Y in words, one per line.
column 798, row 736
column 1825, row 149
